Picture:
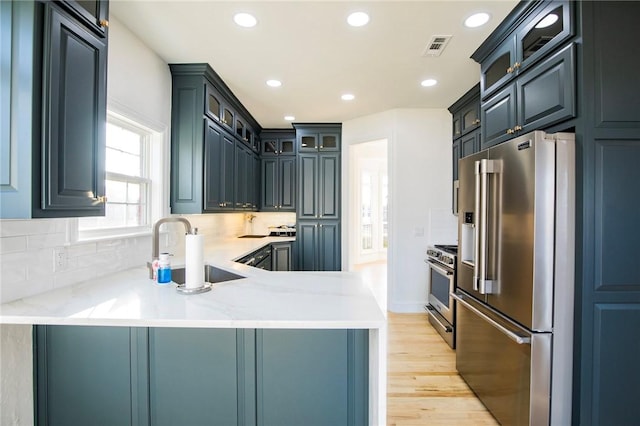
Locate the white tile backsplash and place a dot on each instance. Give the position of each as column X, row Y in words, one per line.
column 13, row 244
column 27, row 262
column 27, row 247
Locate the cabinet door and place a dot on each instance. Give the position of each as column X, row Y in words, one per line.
column 86, row 376
column 213, row 173
column 470, row 144
column 255, row 183
column 497, row 68
column 307, row 242
column 544, row 32
column 308, row 191
column 93, row 13
column 196, row 376
column 74, row 117
column 287, row 146
column 470, row 116
column 329, row 186
column 498, row 117
column 17, row 45
column 546, row 92
column 240, row 177
column 329, row 254
column 213, row 103
column 287, row 183
column 312, row 377
column 269, row 184
column 455, row 156
column 228, row 174
column 329, row 142
column 281, row 256
column 307, row 141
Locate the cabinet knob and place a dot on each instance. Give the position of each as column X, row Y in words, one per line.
column 510, row 131
column 104, row 23
column 517, row 128
column 476, row 121
column 516, row 65
column 100, row 199
column 510, row 70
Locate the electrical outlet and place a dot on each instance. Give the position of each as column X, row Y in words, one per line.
column 60, row 259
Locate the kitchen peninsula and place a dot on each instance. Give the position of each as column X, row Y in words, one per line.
column 268, row 348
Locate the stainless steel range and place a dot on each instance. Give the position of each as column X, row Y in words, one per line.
column 442, row 283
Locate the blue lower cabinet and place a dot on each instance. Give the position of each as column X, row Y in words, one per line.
column 185, row 376
column 193, row 376
column 85, row 376
column 312, row 377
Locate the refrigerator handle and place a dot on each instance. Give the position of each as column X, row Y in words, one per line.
column 476, row 226
column 481, row 282
column 521, row 340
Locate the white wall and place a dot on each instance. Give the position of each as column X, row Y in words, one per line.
column 419, row 144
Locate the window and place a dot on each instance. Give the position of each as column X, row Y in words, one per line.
column 128, row 181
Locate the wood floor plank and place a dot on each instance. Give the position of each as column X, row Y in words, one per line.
column 423, row 386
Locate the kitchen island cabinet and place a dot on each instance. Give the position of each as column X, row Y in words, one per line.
column 258, row 339
column 200, row 376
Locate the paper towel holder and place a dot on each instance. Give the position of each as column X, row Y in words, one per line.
column 183, row 289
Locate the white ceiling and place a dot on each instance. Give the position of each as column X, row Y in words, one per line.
column 317, row 56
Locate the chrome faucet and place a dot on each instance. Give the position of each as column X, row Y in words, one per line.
column 155, row 248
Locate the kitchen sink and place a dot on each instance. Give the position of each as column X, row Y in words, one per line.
column 252, row 236
column 211, row 275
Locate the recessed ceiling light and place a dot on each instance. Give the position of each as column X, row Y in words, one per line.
column 358, row 19
column 274, row 83
column 289, row 117
column 245, row 20
column 547, row 21
column 476, row 20
column 429, row 82
column 348, row 97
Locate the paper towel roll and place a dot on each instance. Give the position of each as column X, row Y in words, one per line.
column 194, row 261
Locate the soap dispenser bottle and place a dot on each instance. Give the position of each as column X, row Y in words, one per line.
column 164, row 269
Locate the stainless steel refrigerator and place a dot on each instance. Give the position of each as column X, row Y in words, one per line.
column 515, row 283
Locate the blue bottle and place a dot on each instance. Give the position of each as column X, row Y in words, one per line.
column 164, row 269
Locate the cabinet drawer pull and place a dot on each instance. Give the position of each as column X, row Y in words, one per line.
column 104, row 23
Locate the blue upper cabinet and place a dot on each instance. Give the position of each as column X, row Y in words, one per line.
column 528, row 78
column 94, row 14
column 53, row 148
column 538, row 32
column 215, row 168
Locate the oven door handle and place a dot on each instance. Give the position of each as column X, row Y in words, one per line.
column 438, row 268
column 429, row 309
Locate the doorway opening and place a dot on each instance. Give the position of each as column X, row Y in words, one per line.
column 369, row 218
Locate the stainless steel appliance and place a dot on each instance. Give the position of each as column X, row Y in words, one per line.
column 442, row 282
column 515, row 278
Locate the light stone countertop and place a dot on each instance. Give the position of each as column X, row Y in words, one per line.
column 264, row 299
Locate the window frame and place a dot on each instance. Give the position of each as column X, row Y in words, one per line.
column 147, row 136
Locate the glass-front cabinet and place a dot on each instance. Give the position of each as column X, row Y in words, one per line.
column 213, row 105
column 278, row 143
column 94, row 13
column 549, row 26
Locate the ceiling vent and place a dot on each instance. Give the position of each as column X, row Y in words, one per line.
column 436, row 45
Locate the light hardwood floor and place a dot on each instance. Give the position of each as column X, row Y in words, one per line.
column 423, row 387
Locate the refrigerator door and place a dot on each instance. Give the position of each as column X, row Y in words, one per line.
column 506, row 366
column 520, row 218
column 467, row 229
